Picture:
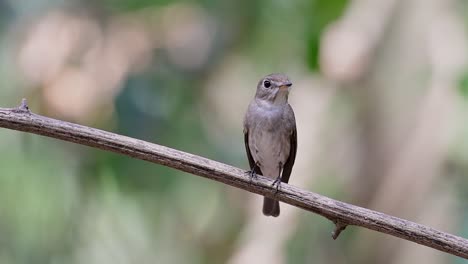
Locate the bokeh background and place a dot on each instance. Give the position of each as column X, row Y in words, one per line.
column 381, row 100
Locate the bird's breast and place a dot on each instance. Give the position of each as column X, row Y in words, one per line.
column 270, row 145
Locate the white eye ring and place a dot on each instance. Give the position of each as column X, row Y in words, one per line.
column 267, row 84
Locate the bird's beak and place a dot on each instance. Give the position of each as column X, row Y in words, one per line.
column 286, row 86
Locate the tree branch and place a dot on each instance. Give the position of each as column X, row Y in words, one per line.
column 342, row 214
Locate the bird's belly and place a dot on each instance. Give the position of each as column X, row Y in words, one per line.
column 270, row 150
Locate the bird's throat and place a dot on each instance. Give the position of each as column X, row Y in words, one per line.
column 281, row 98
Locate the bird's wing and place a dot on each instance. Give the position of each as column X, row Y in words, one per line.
column 287, row 168
column 249, row 154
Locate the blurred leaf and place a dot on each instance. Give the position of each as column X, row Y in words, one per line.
column 322, row 13
column 128, row 5
column 463, row 85
column 39, row 198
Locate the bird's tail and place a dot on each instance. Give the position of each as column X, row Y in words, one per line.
column 270, row 207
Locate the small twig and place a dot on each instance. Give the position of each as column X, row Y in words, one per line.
column 342, row 213
column 339, row 226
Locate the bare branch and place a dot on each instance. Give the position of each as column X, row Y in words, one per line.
column 342, row 214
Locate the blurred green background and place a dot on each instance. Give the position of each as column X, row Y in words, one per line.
column 381, row 100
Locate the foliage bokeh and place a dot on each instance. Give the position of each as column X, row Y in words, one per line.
column 380, row 98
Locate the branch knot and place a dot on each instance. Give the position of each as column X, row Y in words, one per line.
column 22, row 108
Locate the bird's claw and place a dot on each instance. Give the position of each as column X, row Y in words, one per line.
column 277, row 182
column 252, row 175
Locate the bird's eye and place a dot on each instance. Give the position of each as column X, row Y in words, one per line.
column 267, row 84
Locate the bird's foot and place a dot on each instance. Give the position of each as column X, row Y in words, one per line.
column 252, row 175
column 277, row 182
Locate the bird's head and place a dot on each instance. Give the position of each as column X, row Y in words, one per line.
column 274, row 89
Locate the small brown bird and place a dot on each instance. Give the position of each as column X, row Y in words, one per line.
column 270, row 134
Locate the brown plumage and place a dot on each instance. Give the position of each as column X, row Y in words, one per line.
column 270, row 134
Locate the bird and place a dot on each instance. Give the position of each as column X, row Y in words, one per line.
column 270, row 134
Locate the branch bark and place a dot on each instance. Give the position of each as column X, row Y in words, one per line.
column 342, row 214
